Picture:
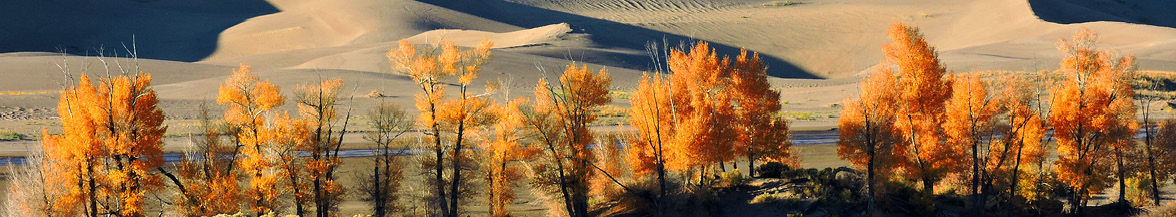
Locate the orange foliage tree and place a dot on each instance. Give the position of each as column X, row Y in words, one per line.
column 502, row 153
column 560, row 118
column 1023, row 128
column 461, row 116
column 924, row 90
column 289, row 137
column 868, row 133
column 971, row 116
column 651, row 118
column 762, row 135
column 611, row 161
column 247, row 102
column 698, row 80
column 209, row 183
column 1093, row 115
column 317, row 106
column 110, row 145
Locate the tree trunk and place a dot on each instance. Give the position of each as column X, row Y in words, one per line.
column 661, row 180
column 1122, row 180
column 928, row 185
column 378, row 208
column 439, row 168
column 456, row 179
column 750, row 165
column 1016, row 170
column 320, row 198
column 1154, row 184
column 490, row 193
column 977, row 204
column 1151, row 159
column 563, row 182
column 298, row 209
column 870, row 207
column 580, row 201
column 93, row 193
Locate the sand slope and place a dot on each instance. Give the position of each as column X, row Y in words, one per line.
column 817, row 50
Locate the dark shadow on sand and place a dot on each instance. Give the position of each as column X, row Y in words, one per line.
column 1147, row 12
column 177, row 30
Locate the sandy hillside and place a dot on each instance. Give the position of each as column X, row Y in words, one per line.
column 817, row 49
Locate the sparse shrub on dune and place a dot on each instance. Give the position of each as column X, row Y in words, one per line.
column 375, row 94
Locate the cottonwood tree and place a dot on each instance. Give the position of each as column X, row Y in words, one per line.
column 381, row 188
column 30, row 192
column 109, row 146
column 429, row 68
column 1093, row 116
column 701, row 139
column 924, row 90
column 248, row 104
column 1165, row 151
column 560, row 118
column 289, row 137
column 869, row 137
column 317, row 107
column 503, row 155
column 209, row 181
column 610, row 161
column 971, row 116
column 1023, row 128
column 650, row 116
column 762, row 135
column 1151, row 150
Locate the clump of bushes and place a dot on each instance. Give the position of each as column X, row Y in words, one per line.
column 732, row 178
column 771, row 170
column 10, row 136
column 768, row 197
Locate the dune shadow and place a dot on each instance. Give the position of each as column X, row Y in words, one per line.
column 1147, row 12
column 177, row 30
column 604, row 33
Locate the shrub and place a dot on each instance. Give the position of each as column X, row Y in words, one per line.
column 1169, row 210
column 375, row 94
column 772, row 170
column 794, row 174
column 767, row 197
column 781, row 3
column 1139, row 189
column 733, row 178
column 10, row 136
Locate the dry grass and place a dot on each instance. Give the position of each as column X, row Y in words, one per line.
column 23, row 93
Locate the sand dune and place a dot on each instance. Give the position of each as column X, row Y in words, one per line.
column 470, row 38
column 817, row 50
